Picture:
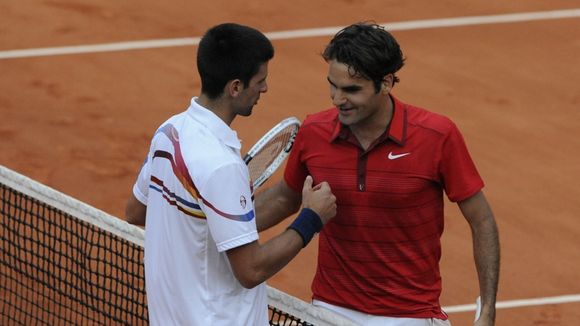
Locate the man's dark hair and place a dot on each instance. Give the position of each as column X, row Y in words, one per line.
column 368, row 50
column 230, row 51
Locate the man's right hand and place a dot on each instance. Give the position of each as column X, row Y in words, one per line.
column 319, row 199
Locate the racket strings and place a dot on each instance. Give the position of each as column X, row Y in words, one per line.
column 269, row 152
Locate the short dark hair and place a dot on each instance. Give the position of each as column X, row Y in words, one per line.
column 230, row 51
column 368, row 50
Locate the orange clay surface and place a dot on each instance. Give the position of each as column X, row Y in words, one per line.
column 82, row 123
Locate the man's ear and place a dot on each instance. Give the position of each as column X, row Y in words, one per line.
column 387, row 84
column 234, row 87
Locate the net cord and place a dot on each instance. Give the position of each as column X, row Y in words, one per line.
column 303, row 310
column 135, row 234
column 72, row 206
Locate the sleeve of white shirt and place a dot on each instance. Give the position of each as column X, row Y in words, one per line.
column 141, row 186
column 228, row 206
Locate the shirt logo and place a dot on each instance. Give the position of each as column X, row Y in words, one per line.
column 243, row 201
column 396, row 156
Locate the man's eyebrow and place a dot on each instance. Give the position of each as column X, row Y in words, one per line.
column 331, row 83
column 349, row 88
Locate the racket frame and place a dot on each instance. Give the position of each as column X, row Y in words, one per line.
column 277, row 162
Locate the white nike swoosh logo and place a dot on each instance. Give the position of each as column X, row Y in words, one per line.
column 396, row 156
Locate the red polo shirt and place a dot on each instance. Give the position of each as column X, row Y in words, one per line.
column 380, row 254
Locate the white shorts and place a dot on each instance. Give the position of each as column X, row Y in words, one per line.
column 363, row 319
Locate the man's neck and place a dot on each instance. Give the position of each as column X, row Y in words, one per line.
column 218, row 106
column 370, row 132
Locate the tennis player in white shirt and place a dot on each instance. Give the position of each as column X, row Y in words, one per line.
column 204, row 264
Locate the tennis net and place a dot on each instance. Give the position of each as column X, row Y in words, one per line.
column 64, row 262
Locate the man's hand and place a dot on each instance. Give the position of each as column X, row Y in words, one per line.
column 319, row 199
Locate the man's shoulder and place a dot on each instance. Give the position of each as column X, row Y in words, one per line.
column 326, row 117
column 423, row 118
column 196, row 144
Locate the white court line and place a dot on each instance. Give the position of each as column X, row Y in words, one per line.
column 518, row 303
column 300, row 33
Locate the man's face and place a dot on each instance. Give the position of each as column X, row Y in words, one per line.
column 251, row 92
column 355, row 97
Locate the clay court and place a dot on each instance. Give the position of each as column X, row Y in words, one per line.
column 81, row 122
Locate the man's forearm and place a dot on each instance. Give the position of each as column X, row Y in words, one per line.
column 275, row 204
column 487, row 261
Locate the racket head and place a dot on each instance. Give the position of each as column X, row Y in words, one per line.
column 268, row 154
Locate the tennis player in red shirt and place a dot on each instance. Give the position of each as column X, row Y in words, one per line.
column 389, row 165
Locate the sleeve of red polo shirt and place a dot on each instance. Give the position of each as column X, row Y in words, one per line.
column 296, row 170
column 457, row 169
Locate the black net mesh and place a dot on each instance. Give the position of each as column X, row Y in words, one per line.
column 56, row 269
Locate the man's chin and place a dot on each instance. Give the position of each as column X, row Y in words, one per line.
column 345, row 120
column 246, row 113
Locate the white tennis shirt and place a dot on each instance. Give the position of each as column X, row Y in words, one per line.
column 199, row 204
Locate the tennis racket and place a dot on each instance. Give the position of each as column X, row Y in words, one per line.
column 266, row 156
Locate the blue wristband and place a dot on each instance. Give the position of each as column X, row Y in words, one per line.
column 307, row 224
